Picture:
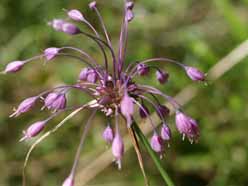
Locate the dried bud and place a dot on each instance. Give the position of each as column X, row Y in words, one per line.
column 55, row 101
column 130, row 5
column 33, row 130
column 108, row 134
column 14, row 66
column 129, row 15
column 70, row 28
column 163, row 110
column 162, row 77
column 57, row 24
column 144, row 112
column 69, row 181
column 157, row 143
column 165, row 132
column 92, row 5
column 143, row 69
column 91, row 76
column 76, row 15
column 118, row 149
column 127, row 108
column 51, row 53
column 25, row 106
column 83, row 74
column 195, row 74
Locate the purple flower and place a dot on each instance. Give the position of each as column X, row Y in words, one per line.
column 91, row 76
column 130, row 5
column 92, row 5
column 165, row 132
column 143, row 111
column 14, row 66
column 25, row 106
column 127, row 108
column 76, row 15
column 70, row 29
column 83, row 74
column 118, row 148
column 57, row 24
column 143, row 69
column 163, row 111
column 55, row 101
column 33, row 130
column 129, row 15
column 157, row 143
column 51, row 53
column 162, row 77
column 195, row 74
column 69, row 181
column 108, row 134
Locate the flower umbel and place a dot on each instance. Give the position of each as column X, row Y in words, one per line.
column 114, row 92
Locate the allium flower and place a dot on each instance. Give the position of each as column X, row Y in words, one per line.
column 114, row 91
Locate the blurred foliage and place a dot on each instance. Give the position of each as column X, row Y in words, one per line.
column 198, row 33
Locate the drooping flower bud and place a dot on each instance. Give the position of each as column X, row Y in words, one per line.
column 118, row 149
column 92, row 5
column 75, row 15
column 14, row 66
column 163, row 110
column 143, row 69
column 144, row 112
column 127, row 108
column 55, row 101
column 91, row 76
column 195, row 74
column 33, row 130
column 25, row 106
column 57, row 24
column 157, row 143
column 51, row 53
column 108, row 134
column 162, row 76
column 70, row 28
column 129, row 15
column 83, row 74
column 165, row 132
column 69, row 181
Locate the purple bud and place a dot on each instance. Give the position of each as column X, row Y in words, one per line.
column 157, row 143
column 162, row 77
column 129, row 15
column 83, row 74
column 57, row 24
column 144, row 112
column 193, row 133
column 91, row 76
column 118, row 149
column 51, row 53
column 127, row 108
column 70, row 28
column 143, row 69
column 130, row 5
column 55, row 101
column 76, row 15
column 25, row 106
column 165, row 132
column 69, row 181
column 163, row 110
column 108, row 134
column 14, row 66
column 33, row 130
column 92, row 5
column 195, row 74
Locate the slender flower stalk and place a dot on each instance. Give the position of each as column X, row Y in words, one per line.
column 114, row 92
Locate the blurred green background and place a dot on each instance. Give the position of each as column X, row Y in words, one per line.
column 198, row 33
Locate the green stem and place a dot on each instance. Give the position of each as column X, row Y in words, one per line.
column 153, row 155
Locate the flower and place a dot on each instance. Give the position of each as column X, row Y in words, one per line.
column 112, row 88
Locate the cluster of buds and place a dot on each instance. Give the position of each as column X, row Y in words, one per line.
column 114, row 92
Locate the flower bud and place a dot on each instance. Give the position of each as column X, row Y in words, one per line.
column 91, row 76
column 142, row 69
column 75, row 15
column 108, row 134
column 51, row 53
column 25, row 106
column 163, row 110
column 195, row 74
column 83, row 74
column 55, row 101
column 130, row 5
column 127, row 108
column 92, row 5
column 14, row 66
column 129, row 15
column 144, row 112
column 162, row 77
column 118, row 149
column 69, row 181
column 57, row 24
column 70, row 28
column 157, row 143
column 165, row 132
column 33, row 130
